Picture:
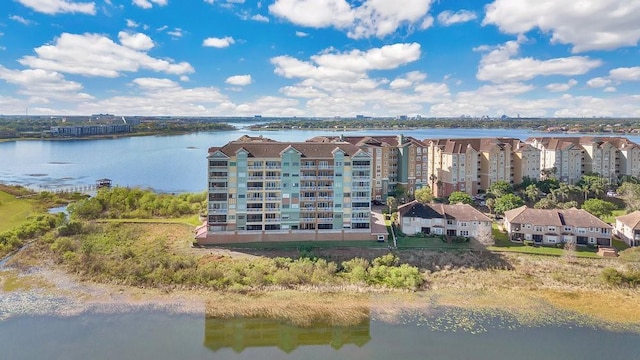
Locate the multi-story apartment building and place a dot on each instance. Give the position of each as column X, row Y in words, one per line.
column 472, row 165
column 568, row 158
column 453, row 165
column 560, row 158
column 264, row 190
column 553, row 226
column 397, row 160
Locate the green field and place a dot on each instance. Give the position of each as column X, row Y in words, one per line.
column 13, row 212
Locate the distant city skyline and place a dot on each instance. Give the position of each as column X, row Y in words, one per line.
column 321, row 58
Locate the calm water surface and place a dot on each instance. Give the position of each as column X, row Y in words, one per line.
column 164, row 163
column 153, row 335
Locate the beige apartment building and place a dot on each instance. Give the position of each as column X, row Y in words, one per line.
column 568, row 158
column 397, row 160
column 473, row 165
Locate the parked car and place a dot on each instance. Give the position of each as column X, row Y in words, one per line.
column 376, row 202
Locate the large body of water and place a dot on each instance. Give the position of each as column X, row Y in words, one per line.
column 178, row 164
column 159, row 336
column 164, row 163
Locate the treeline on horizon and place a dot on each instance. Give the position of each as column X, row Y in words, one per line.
column 619, row 125
column 15, row 128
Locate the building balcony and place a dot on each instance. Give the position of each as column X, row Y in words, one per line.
column 273, row 220
column 254, row 188
column 254, row 210
column 325, row 220
column 308, row 188
column 218, row 189
column 218, row 178
column 304, row 198
column 255, row 178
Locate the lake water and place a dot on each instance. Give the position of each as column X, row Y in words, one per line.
column 157, row 335
column 164, row 163
column 178, row 164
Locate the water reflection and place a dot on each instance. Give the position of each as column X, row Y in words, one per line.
column 240, row 334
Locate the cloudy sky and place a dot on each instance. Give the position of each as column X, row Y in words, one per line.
column 542, row 58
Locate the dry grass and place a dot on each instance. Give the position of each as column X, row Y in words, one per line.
column 299, row 308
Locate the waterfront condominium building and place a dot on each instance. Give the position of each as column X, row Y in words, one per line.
column 397, row 161
column 264, row 190
column 473, row 165
column 568, row 158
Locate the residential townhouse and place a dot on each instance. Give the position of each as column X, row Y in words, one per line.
column 442, row 219
column 264, row 190
column 568, row 158
column 553, row 226
column 397, row 160
column 627, row 228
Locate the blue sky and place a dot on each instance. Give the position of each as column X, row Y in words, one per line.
column 541, row 58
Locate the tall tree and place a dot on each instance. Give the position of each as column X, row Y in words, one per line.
column 500, row 188
column 630, row 193
column 599, row 207
column 508, row 202
column 423, row 195
column 460, row 197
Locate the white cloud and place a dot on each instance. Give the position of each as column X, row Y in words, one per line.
column 148, row 4
column 175, row 33
column 499, row 66
column 609, row 89
column 97, row 55
column 20, row 19
column 301, row 34
column 448, row 17
column 427, row 22
column 155, row 83
column 239, row 80
column 261, row 18
column 560, row 87
column 218, row 42
column 52, row 7
column 302, row 91
column 136, row 41
column 586, row 24
column 371, row 18
column 625, row 74
column 408, row 80
column 598, row 82
column 132, row 24
column 44, row 85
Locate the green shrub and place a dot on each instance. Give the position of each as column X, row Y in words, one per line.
column 528, row 242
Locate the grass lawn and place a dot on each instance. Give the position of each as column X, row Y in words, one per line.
column 611, row 219
column 429, row 243
column 306, row 244
column 504, row 245
column 13, row 212
column 619, row 244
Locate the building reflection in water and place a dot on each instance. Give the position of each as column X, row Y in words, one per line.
column 242, row 333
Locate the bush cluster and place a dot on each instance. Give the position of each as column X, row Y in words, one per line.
column 36, row 226
column 630, row 278
column 123, row 203
column 116, row 253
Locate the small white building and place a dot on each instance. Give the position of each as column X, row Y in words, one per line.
column 441, row 219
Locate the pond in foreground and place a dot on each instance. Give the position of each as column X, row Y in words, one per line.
column 158, row 335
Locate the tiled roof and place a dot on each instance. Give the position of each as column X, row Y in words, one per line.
column 269, row 149
column 371, row 141
column 562, row 143
column 632, row 220
column 557, row 217
column 462, row 212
